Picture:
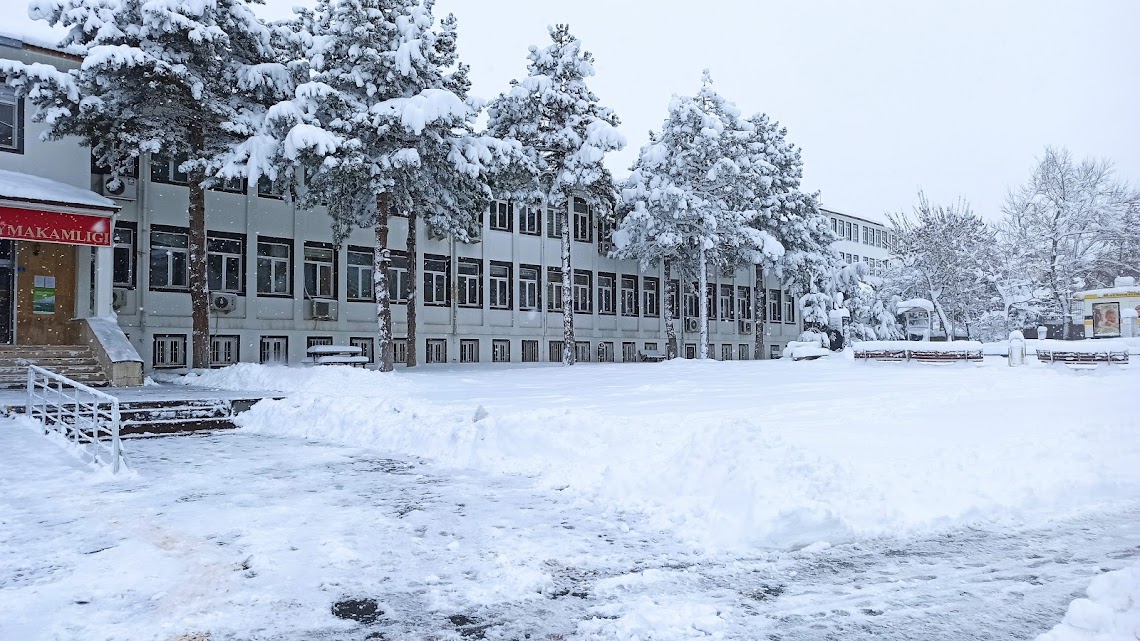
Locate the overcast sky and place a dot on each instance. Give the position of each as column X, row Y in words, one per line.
column 884, row 98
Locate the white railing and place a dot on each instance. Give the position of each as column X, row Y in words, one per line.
column 85, row 416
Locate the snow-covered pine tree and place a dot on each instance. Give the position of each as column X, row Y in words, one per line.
column 808, row 262
column 565, row 133
column 166, row 78
column 683, row 196
column 382, row 123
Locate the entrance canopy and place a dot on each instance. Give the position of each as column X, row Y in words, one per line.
column 42, row 210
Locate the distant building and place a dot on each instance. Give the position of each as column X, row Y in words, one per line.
column 861, row 240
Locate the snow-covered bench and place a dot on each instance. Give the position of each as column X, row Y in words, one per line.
column 651, row 355
column 337, row 355
column 1082, row 352
column 805, row 350
column 921, row 351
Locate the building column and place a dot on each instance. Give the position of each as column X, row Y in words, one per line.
column 104, row 277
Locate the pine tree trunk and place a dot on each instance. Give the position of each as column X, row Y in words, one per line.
column 670, row 331
column 414, row 286
column 198, row 255
column 569, row 354
column 704, row 303
column 381, row 261
column 759, row 310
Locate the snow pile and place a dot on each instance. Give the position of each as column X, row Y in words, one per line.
column 1110, row 613
column 20, row 186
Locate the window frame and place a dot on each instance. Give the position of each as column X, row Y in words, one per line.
column 500, row 348
column 744, row 302
column 398, row 274
column 131, row 248
column 524, row 305
column 582, row 283
column 169, row 167
column 629, row 295
column 611, row 309
column 554, row 289
column 275, row 190
column 367, row 345
column 264, row 349
column 400, row 350
column 219, row 236
column 789, row 308
column 334, row 275
column 530, row 347
column 177, row 340
column 500, row 215
column 726, row 304
column 497, row 285
column 429, row 356
column 287, row 261
column 555, row 221
column 583, row 231
column 525, row 220
column 775, row 306
column 369, row 266
column 427, row 295
column 8, row 95
column 467, row 282
column 167, row 287
column 651, row 297
column 215, row 342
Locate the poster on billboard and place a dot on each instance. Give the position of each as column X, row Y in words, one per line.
column 1106, row 320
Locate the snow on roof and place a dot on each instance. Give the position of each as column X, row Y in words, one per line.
column 17, row 186
column 872, row 218
column 1107, row 292
column 40, row 42
column 915, row 303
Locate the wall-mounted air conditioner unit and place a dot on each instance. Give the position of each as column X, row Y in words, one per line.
column 224, row 303
column 122, row 188
column 745, row 327
column 322, row 309
column 605, row 247
column 692, row 324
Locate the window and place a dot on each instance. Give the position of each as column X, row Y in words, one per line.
column 628, row 295
column 164, row 169
column 314, row 341
column 835, row 225
column 530, row 351
column 529, row 288
column 789, row 308
column 583, row 292
column 436, row 280
column 651, row 347
column 230, row 185
column 651, row 295
column 553, row 290
column 555, row 223
column 123, row 255
column 320, row 271
column 690, row 350
column 469, row 350
column 501, row 215
column 470, row 273
column 530, row 220
column 773, row 351
column 710, row 300
column 583, row 222
column 267, row 188
column 500, row 351
column 605, row 235
column 500, row 286
column 554, row 351
column 726, row 352
column 628, row 352
column 742, row 352
column 273, row 262
column 400, row 350
column 223, row 350
column 436, row 350
column 607, row 293
column 774, row 306
column 225, row 263
column 169, row 262
column 605, row 352
column 675, row 298
column 727, row 303
column 11, row 121
column 367, row 346
column 582, row 351
column 274, row 349
column 360, row 280
column 692, row 309
column 399, row 285
column 169, row 350
column 744, row 302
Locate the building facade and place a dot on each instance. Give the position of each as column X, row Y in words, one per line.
column 861, row 240
column 279, row 285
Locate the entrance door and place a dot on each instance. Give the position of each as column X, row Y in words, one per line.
column 7, row 292
column 45, row 294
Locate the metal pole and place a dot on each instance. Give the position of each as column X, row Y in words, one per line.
column 116, row 452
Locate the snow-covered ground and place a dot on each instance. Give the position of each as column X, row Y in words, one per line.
column 662, row 501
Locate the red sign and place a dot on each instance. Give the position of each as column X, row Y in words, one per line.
column 54, row 227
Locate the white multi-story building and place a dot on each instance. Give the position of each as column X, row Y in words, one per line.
column 279, row 285
column 861, row 240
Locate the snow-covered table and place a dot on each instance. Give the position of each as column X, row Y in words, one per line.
column 337, row 355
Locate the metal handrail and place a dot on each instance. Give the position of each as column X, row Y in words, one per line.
column 85, row 416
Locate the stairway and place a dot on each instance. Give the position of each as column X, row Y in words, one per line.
column 73, row 361
column 175, row 416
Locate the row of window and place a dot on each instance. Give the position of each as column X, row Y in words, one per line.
column 170, row 350
column 878, row 266
column 505, row 287
column 847, row 230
